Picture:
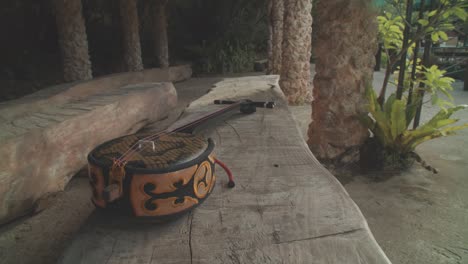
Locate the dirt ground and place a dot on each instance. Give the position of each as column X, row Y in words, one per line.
column 416, row 216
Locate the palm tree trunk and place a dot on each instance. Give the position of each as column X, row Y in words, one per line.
column 465, row 85
column 276, row 15
column 73, row 40
column 420, row 97
column 160, row 33
column 270, row 37
column 345, row 51
column 415, row 57
column 131, row 35
column 296, row 51
column 406, row 39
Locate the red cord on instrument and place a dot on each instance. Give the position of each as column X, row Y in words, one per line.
column 231, row 183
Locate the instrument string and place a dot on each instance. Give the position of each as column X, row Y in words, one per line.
column 135, row 148
column 120, row 160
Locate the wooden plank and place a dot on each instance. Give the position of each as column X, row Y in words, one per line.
column 285, row 208
column 114, row 239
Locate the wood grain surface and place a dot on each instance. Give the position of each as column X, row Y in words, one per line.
column 285, row 208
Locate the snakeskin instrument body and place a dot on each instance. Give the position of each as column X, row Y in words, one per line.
column 164, row 177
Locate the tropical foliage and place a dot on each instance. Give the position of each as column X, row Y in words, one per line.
column 431, row 23
column 218, row 36
column 390, row 116
column 390, row 124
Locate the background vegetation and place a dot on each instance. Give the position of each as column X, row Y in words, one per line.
column 402, row 32
column 218, row 36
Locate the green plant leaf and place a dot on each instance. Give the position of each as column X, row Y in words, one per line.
column 372, row 99
column 444, row 122
column 429, row 29
column 377, row 131
column 382, row 125
column 443, row 114
column 439, row 133
column 415, row 143
column 460, row 13
column 411, row 110
column 423, row 22
column 367, row 121
column 438, row 121
column 389, row 104
column 443, row 35
column 454, row 128
column 398, row 118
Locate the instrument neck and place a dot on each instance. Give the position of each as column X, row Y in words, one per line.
column 206, row 119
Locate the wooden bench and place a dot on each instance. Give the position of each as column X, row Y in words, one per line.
column 285, row 208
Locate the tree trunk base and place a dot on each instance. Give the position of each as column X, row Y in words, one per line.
column 465, row 88
column 374, row 158
column 371, row 156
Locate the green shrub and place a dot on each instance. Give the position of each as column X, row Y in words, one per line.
column 390, row 117
column 218, row 36
column 219, row 57
column 384, row 60
column 390, row 126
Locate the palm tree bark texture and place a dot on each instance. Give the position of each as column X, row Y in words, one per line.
column 345, row 52
column 296, row 51
column 275, row 21
column 160, row 33
column 131, row 35
column 73, row 40
column 270, row 37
